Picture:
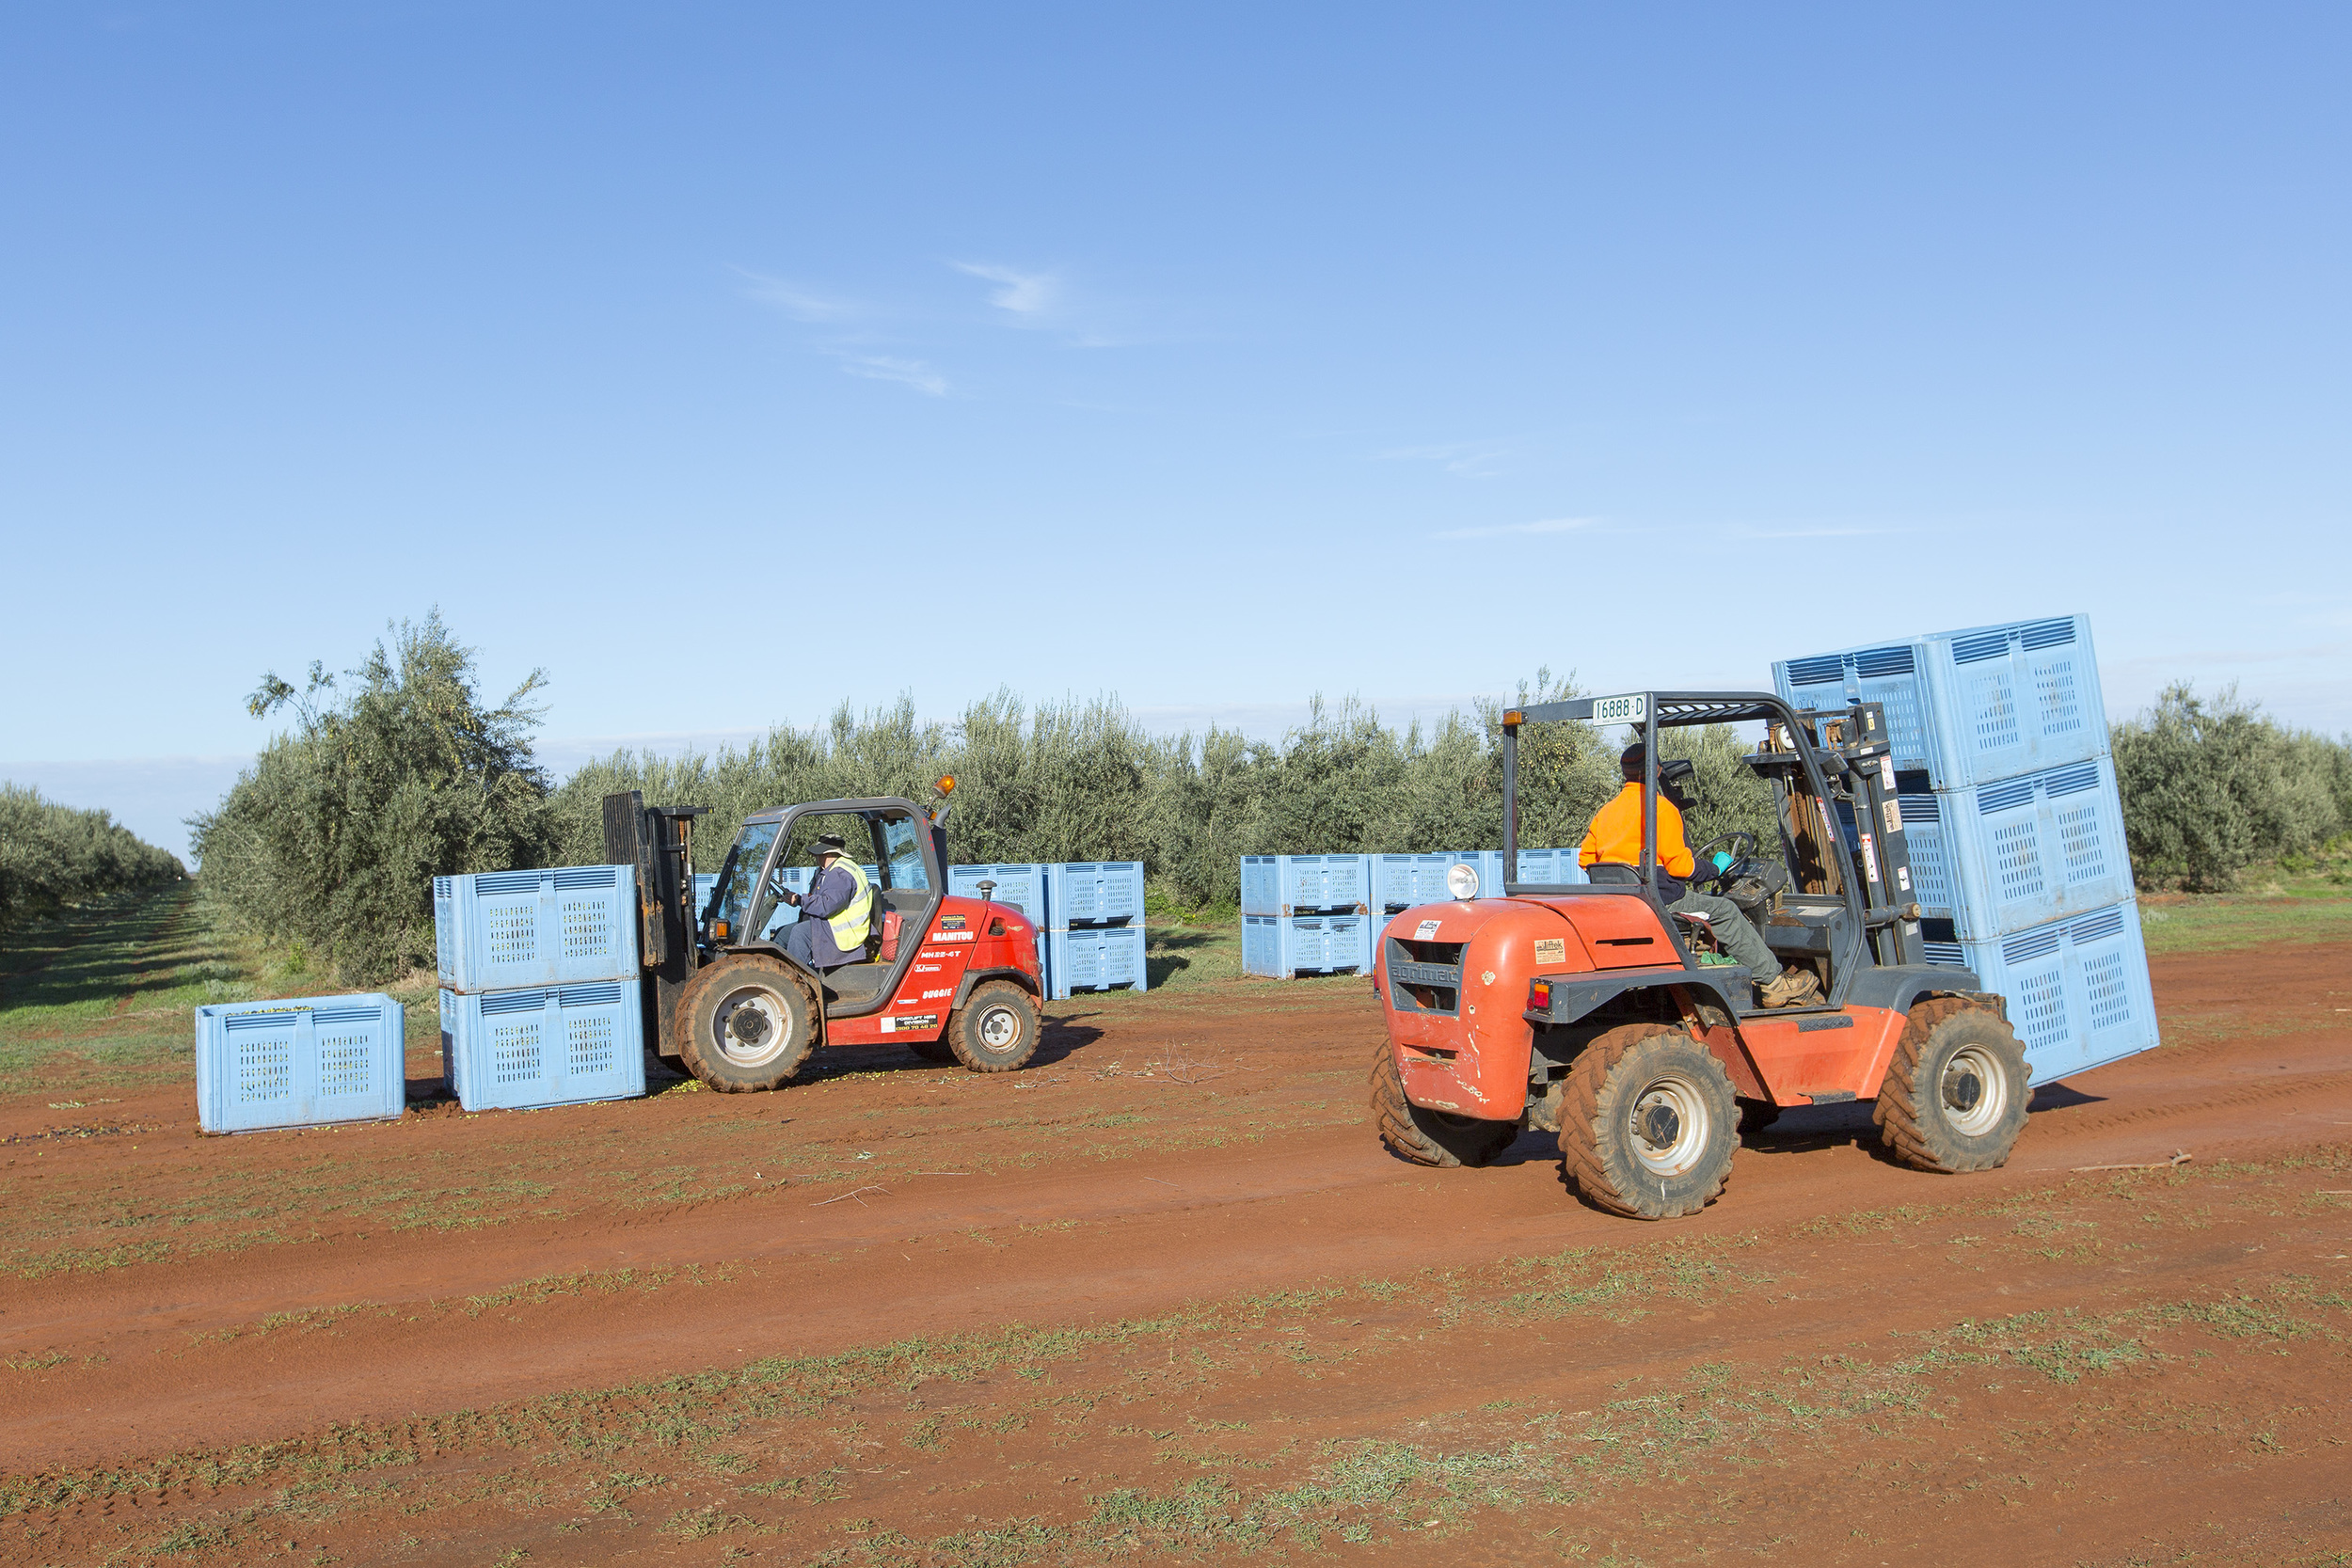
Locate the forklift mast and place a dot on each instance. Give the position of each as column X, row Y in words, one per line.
column 659, row 841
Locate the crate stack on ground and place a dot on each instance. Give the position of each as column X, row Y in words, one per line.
column 1306, row 914
column 539, row 986
column 300, row 1062
column 1092, row 937
column 2009, row 809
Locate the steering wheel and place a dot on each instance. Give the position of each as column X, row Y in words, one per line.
column 1741, row 847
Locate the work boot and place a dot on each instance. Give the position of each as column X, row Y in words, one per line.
column 1790, row 988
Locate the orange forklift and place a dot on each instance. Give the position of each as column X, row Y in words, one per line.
column 1595, row 1013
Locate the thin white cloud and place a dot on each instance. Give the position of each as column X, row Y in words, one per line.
column 1473, row 459
column 1500, row 530
column 1030, row 296
column 1812, row 533
column 906, row 373
column 795, row 301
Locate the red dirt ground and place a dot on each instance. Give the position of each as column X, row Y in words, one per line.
column 447, row 1339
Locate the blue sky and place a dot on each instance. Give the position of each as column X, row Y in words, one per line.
column 731, row 361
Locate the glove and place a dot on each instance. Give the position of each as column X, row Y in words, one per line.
column 1722, row 860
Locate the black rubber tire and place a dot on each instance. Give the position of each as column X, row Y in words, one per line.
column 996, row 1028
column 766, row 1010
column 933, row 1051
column 1928, row 1115
column 1633, row 1073
column 1429, row 1137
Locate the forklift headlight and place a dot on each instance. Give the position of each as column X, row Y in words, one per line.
column 718, row 930
column 1461, row 880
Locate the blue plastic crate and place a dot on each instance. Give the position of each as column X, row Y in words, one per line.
column 1094, row 893
column 1020, row 884
column 1304, row 884
column 2001, row 857
column 1281, row 946
column 1550, row 868
column 2077, row 989
column 496, row 930
column 1969, row 708
column 510, row 1050
column 1094, row 957
column 299, row 1063
column 1400, row 882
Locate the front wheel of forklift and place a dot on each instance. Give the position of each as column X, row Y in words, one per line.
column 745, row 1023
column 996, row 1030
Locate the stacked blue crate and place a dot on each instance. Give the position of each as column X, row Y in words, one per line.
column 2077, row 989
column 496, row 930
column 539, row 994
column 1284, row 946
column 2014, row 830
column 1400, row 882
column 1973, row 706
column 1306, row 913
column 1550, row 868
column 301, row 1062
column 1305, row 884
column 1020, row 884
column 1094, row 935
column 1996, row 858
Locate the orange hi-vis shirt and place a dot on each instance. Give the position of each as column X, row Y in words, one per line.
column 1615, row 835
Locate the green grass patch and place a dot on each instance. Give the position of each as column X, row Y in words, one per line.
column 2210, row 922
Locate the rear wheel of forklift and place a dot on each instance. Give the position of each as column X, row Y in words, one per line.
column 1649, row 1123
column 1955, row 1096
column 745, row 1023
column 996, row 1028
column 1428, row 1137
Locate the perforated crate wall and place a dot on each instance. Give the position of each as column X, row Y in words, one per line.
column 2001, row 857
column 1550, row 868
column 495, row 930
column 1283, row 946
column 1400, row 882
column 2077, row 989
column 298, row 1063
column 1020, row 884
column 1969, row 708
column 1094, row 893
column 1094, row 957
column 512, row 1050
column 1303, row 884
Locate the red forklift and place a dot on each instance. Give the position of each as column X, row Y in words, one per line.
column 952, row 979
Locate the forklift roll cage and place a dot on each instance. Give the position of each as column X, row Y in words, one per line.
column 1873, row 875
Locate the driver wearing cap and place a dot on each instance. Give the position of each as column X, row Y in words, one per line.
column 837, row 911
column 1615, row 839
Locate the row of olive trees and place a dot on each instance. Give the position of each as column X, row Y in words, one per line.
column 52, row 856
column 2212, row 785
column 1082, row 781
column 402, row 770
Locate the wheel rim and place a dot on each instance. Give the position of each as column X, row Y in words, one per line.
column 1000, row 1029
column 1670, row 1125
column 1974, row 1091
column 751, row 1027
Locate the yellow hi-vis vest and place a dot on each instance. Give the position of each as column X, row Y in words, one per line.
column 850, row 926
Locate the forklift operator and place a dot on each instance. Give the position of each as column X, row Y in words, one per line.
column 1615, row 839
column 836, row 912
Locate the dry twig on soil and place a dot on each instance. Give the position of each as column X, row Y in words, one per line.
column 2180, row 1157
column 853, row 1194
